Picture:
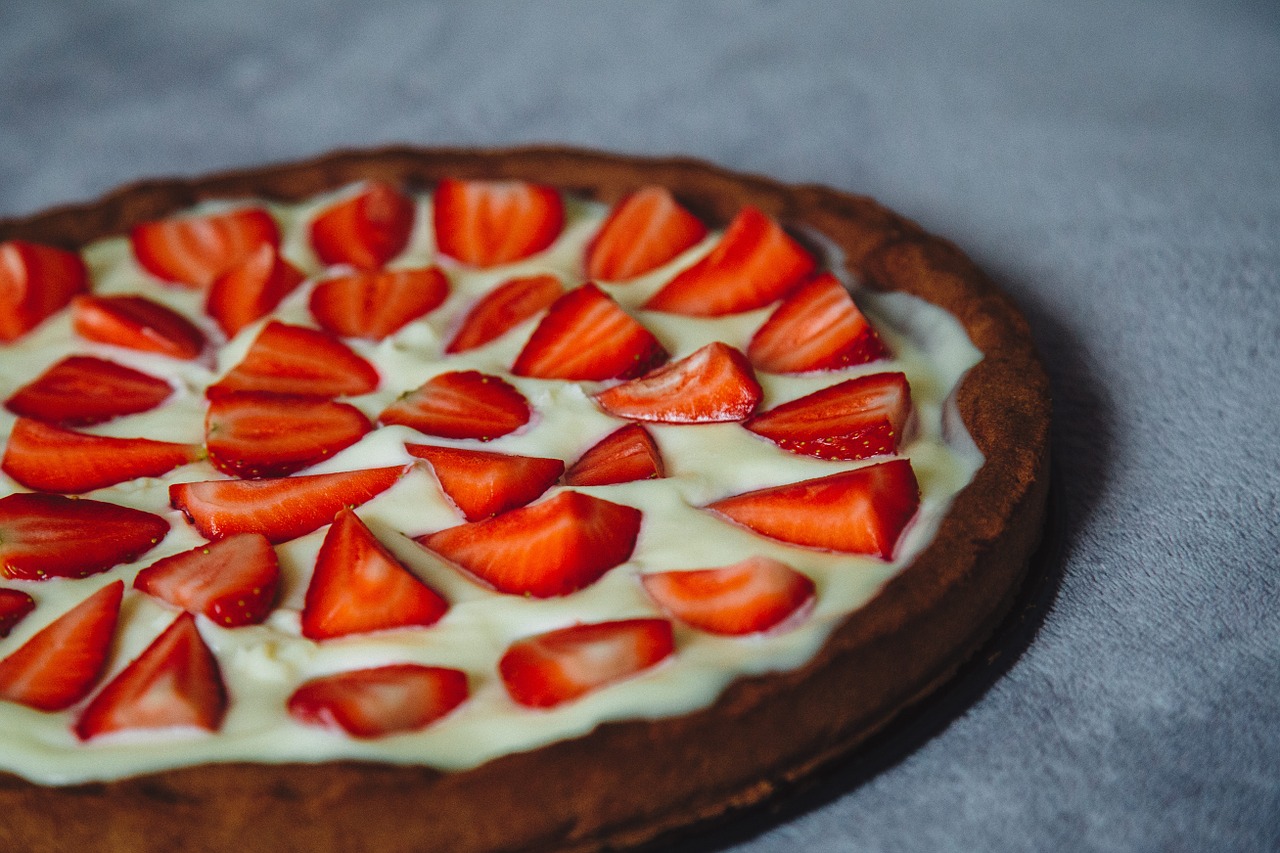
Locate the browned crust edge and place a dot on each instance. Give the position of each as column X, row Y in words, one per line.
column 627, row 783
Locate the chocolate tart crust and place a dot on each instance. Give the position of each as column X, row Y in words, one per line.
column 631, row 783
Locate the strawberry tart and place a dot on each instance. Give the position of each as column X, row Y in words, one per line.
column 451, row 500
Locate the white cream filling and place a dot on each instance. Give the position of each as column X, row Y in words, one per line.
column 263, row 664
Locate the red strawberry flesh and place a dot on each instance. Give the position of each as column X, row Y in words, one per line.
column 232, row 581
column 548, row 549
column 58, row 666
column 862, row 511
column 855, row 419
column 375, row 305
column 358, row 586
column 50, row 458
column 365, row 230
column 14, row 607
column 82, row 390
column 280, row 509
column 250, row 290
column 748, row 597
column 287, row 359
column 461, row 404
column 482, row 484
column 259, row 434
column 488, row 223
column 585, row 335
column 195, row 250
column 755, row 263
column 136, row 323
column 712, row 385
column 623, row 456
column 36, row 281
column 642, row 232
column 44, row 536
column 371, row 703
column 560, row 666
column 174, row 682
column 503, row 308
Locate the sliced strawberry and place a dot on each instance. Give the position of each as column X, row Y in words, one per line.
column 862, row 511
column 585, row 335
column 370, row 703
column 280, row 509
column 49, row 458
column 358, row 586
column 137, row 323
column 559, row 666
column 58, row 666
column 744, row 598
column 194, row 250
column 854, row 419
column 14, row 607
column 81, row 390
column 296, row 360
column 365, row 230
column 461, row 404
column 714, row 384
column 623, row 456
column 232, row 581
column 251, row 289
column 817, row 327
column 642, row 232
column 503, row 308
column 547, row 549
column 487, row 223
column 44, row 536
column 755, row 263
column 35, row 282
column 174, row 682
column 259, row 434
column 481, row 483
column 374, row 305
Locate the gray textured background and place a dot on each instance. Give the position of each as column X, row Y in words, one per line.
column 1116, row 166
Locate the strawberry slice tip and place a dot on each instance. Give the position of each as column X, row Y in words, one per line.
column 623, row 456
column 281, row 509
column 14, row 607
column 44, row 536
column 137, row 323
column 82, row 390
column 259, row 434
column 862, row 511
column 754, row 595
column 488, row 223
column 715, row 384
column 194, row 250
column 287, row 359
column 371, row 703
column 482, row 484
column 366, row 230
column 375, row 305
column 544, row 550
column 358, row 586
column 503, row 308
column 461, row 404
column 585, row 335
column 49, row 458
column 36, row 281
column 755, row 263
column 233, row 581
column 58, row 666
column 643, row 231
column 817, row 327
column 854, row 419
column 559, row 666
column 174, row 682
